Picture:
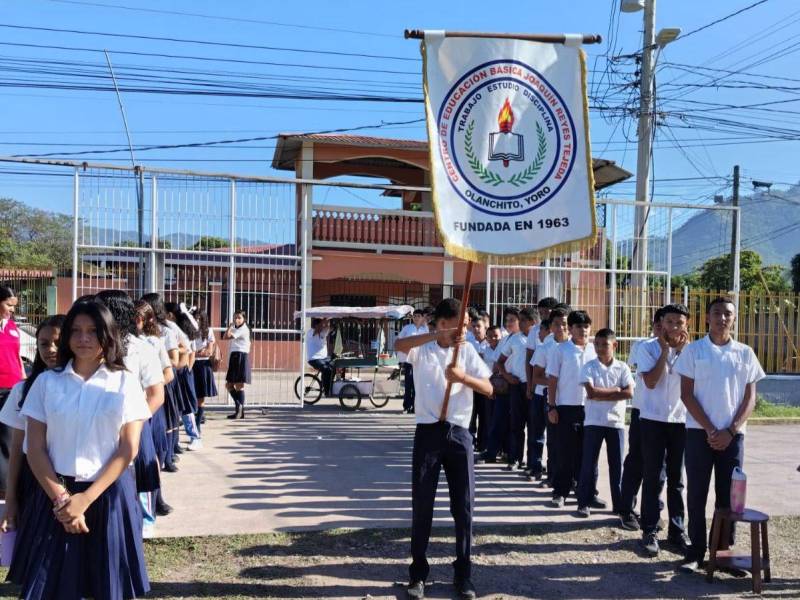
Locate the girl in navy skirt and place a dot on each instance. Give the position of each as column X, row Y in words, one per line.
column 83, row 538
column 20, row 479
column 204, row 347
column 179, row 320
column 238, row 361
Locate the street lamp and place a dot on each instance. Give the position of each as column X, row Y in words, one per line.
column 667, row 35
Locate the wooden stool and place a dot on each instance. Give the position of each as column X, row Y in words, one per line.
column 721, row 557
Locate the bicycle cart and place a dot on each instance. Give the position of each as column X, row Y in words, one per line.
column 360, row 371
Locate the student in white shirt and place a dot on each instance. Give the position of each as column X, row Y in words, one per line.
column 565, row 399
column 632, row 467
column 559, row 333
column 443, row 440
column 19, row 482
column 238, row 361
column 663, row 430
column 418, row 326
column 609, row 385
column 514, row 368
column 180, row 320
column 204, row 346
column 317, row 355
column 481, row 405
column 501, row 411
column 537, row 405
column 84, row 422
column 718, row 387
column 536, row 337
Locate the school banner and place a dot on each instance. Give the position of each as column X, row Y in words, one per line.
column 508, row 127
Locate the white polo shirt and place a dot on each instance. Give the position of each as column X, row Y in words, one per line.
column 317, row 345
column 143, row 362
column 84, row 418
column 515, row 351
column 201, row 344
column 490, row 355
column 539, row 359
column 11, row 413
column 409, row 330
column 157, row 344
column 430, row 362
column 566, row 362
column 240, row 339
column 606, row 413
column 663, row 402
column 720, row 375
column 168, row 337
column 180, row 335
column 640, row 389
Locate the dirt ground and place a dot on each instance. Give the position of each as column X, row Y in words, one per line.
column 557, row 560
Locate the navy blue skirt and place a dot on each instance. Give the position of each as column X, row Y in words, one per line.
column 188, row 397
column 146, row 462
column 238, row 368
column 158, row 427
column 105, row 564
column 172, row 394
column 204, row 384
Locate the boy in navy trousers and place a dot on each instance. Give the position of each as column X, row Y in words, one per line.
column 443, row 440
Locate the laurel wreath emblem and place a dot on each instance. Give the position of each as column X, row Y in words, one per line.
column 488, row 176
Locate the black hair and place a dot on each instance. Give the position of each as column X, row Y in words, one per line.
column 122, row 309
column 657, row 315
column 244, row 320
column 510, row 310
column 579, row 317
column 527, row 314
column 156, row 302
column 563, row 305
column 606, row 333
column 675, row 309
column 719, row 300
column 5, row 293
column 418, row 311
column 201, row 317
column 483, row 314
column 172, row 308
column 107, row 335
column 39, row 366
column 558, row 312
column 545, row 323
column 547, row 302
column 85, row 298
column 449, row 308
column 473, row 313
column 428, row 311
column 183, row 321
column 490, row 327
column 148, row 316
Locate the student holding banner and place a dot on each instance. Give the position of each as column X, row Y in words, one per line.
column 443, row 440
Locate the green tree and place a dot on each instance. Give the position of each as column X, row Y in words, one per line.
column 795, row 269
column 33, row 238
column 715, row 273
column 209, row 242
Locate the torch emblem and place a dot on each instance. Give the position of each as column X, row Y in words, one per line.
column 504, row 144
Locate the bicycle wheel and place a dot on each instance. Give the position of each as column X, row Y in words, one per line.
column 308, row 388
column 379, row 402
column 350, row 397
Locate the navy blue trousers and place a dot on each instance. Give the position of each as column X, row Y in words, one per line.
column 593, row 438
column 435, row 446
column 518, row 419
column 408, row 387
column 325, row 368
column 665, row 445
column 537, row 424
column 701, row 460
column 569, row 435
column 481, row 420
column 499, row 429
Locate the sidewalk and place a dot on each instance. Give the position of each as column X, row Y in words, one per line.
column 322, row 468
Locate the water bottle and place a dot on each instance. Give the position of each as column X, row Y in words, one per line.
column 738, row 490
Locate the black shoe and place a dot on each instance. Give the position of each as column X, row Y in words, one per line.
column 486, row 458
column 465, row 589
column 597, row 503
column 203, row 420
column 649, row 544
column 241, row 414
column 178, row 449
column 557, row 502
column 416, row 590
column 680, row 542
column 583, row 512
column 170, row 468
column 162, row 508
column 629, row 522
column 234, row 415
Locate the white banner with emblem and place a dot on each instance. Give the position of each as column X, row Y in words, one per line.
column 510, row 156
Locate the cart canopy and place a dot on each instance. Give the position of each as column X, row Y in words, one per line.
column 356, row 312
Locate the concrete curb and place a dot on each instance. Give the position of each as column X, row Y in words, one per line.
column 774, row 421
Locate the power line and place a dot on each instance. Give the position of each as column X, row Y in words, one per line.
column 720, row 20
column 230, row 19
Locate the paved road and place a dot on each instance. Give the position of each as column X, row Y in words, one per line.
column 320, row 468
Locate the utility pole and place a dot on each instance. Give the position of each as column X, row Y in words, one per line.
column 645, row 135
column 734, row 225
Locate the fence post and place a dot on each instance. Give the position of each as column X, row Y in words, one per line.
column 75, row 232
column 232, row 257
column 612, row 300
column 153, row 234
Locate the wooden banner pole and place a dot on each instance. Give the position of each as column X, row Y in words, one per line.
column 461, row 315
column 551, row 38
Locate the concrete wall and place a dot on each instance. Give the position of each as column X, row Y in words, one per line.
column 780, row 389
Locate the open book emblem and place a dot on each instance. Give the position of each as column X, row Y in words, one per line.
column 504, row 144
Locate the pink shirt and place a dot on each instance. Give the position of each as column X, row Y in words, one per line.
column 10, row 370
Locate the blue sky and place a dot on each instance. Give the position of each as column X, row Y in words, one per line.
column 700, row 140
